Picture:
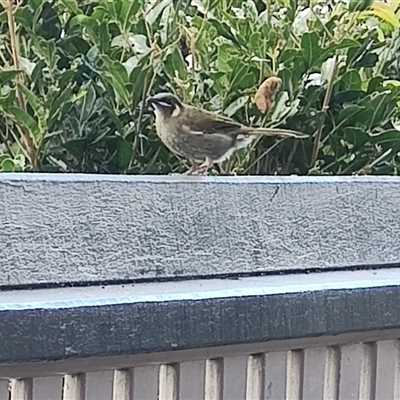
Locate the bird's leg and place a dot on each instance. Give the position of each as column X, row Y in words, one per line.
column 201, row 169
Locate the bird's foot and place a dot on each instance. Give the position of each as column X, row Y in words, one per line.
column 201, row 169
column 196, row 171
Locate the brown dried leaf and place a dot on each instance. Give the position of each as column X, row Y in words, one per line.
column 266, row 92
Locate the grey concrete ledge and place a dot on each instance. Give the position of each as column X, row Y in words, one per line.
column 61, row 229
column 70, row 323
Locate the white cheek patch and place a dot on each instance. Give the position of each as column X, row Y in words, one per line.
column 176, row 112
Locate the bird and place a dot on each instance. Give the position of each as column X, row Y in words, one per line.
column 203, row 137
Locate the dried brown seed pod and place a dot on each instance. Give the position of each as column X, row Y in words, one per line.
column 266, row 92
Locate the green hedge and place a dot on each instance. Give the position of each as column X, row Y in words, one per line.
column 76, row 100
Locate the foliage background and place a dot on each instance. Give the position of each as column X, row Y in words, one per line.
column 75, row 76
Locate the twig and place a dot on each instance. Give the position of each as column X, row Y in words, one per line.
column 4, row 138
column 263, row 155
column 268, row 9
column 25, row 135
column 323, row 25
column 325, row 107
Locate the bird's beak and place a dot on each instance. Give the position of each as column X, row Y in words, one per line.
column 152, row 101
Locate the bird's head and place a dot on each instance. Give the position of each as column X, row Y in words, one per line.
column 166, row 104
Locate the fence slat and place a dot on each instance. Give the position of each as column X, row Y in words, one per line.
column 47, row 388
column 368, row 372
column 122, row 382
column 332, row 373
column 21, row 389
column 396, row 394
column 294, row 374
column 4, row 385
column 191, row 380
column 74, row 387
column 169, row 382
column 214, row 379
column 255, row 377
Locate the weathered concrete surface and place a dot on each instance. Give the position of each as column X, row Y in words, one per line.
column 88, row 228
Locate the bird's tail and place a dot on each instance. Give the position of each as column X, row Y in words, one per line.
column 277, row 132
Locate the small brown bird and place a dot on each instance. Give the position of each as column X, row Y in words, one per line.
column 203, row 137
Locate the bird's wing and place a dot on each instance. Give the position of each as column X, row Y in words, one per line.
column 200, row 122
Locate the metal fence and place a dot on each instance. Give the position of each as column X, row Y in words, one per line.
column 146, row 288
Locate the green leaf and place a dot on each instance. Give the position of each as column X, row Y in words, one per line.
column 374, row 84
column 369, row 60
column 390, row 136
column 292, row 9
column 257, row 44
column 384, row 12
column 383, row 108
column 166, row 15
column 241, row 77
column 38, row 108
column 224, row 30
column 174, row 63
column 236, row 105
column 77, row 147
column 354, row 135
column 105, row 38
column 359, row 5
column 116, row 120
column 287, row 85
column 349, row 114
column 280, row 109
column 22, row 118
column 72, row 6
column 32, row 100
column 348, row 96
column 86, row 104
column 287, row 55
column 332, row 48
column 7, row 75
column 351, row 80
column 60, row 106
column 155, row 11
column 115, row 74
column 129, row 11
column 7, row 165
column 310, row 47
column 226, row 54
column 124, row 153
